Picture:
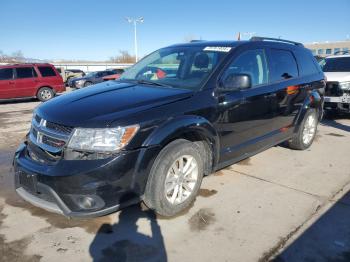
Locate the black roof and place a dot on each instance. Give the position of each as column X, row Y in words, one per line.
column 265, row 40
column 203, row 43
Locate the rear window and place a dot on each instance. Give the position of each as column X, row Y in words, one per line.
column 6, row 73
column 307, row 63
column 46, row 71
column 25, row 72
column 338, row 64
column 283, row 65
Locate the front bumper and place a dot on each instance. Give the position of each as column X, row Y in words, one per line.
column 340, row 103
column 82, row 188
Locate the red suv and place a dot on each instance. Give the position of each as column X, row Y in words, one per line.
column 30, row 80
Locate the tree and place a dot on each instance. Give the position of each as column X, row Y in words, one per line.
column 18, row 56
column 123, row 57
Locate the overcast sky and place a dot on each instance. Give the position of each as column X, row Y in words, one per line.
column 96, row 30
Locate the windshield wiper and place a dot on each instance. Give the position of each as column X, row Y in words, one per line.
column 148, row 82
column 142, row 81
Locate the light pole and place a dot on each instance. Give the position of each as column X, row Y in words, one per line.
column 135, row 21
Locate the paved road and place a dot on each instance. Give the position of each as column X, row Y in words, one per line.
column 281, row 202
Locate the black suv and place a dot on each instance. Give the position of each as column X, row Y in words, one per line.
column 179, row 114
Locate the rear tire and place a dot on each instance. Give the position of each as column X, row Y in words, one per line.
column 175, row 177
column 45, row 94
column 307, row 131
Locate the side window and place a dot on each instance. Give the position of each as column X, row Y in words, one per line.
column 46, row 71
column 6, row 74
column 252, row 63
column 308, row 65
column 25, row 72
column 283, row 65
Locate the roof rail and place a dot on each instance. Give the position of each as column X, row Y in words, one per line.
column 198, row 40
column 260, row 38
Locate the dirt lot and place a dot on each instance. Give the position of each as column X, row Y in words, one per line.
column 281, row 202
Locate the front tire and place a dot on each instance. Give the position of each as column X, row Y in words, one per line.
column 175, row 177
column 307, row 131
column 45, row 94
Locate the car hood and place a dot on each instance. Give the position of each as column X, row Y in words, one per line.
column 337, row 76
column 101, row 104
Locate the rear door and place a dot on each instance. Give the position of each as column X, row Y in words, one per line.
column 27, row 81
column 7, row 83
column 48, row 76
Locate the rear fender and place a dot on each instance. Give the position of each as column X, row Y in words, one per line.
column 314, row 100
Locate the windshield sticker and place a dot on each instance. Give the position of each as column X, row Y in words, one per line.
column 218, row 48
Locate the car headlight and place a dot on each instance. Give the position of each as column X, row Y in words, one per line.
column 344, row 85
column 101, row 139
column 79, row 82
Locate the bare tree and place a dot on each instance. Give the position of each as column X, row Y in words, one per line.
column 18, row 56
column 123, row 57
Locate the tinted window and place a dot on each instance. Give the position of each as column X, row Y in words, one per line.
column 25, row 72
column 283, row 65
column 339, row 64
column 6, row 73
column 46, row 71
column 307, row 63
column 252, row 63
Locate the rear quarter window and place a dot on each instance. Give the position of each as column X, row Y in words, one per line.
column 25, row 72
column 282, row 65
column 307, row 63
column 46, row 71
column 6, row 73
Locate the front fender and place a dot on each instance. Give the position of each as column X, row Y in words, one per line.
column 181, row 127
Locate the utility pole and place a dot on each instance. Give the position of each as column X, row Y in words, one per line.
column 134, row 22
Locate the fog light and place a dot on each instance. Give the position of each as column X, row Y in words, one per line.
column 86, row 202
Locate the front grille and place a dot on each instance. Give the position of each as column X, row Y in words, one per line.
column 59, row 128
column 49, row 136
column 333, row 89
column 52, row 141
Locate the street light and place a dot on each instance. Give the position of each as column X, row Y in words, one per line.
column 135, row 21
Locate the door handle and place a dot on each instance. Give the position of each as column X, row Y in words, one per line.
column 11, row 82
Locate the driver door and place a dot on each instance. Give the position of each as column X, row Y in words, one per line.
column 245, row 115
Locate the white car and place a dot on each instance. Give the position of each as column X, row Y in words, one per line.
column 337, row 71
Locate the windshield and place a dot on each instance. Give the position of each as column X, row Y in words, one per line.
column 338, row 64
column 179, row 67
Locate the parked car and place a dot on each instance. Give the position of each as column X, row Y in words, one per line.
column 30, row 80
column 337, row 95
column 115, row 76
column 89, row 79
column 179, row 114
column 68, row 74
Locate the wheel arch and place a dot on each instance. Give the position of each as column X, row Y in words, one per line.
column 192, row 128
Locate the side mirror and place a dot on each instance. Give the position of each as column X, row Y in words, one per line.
column 236, row 82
